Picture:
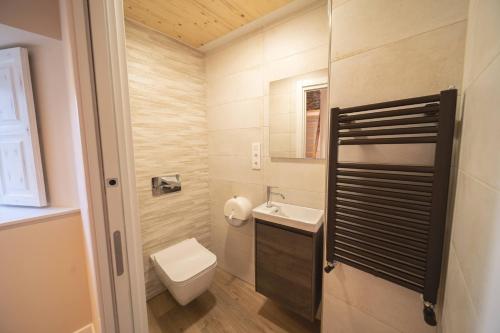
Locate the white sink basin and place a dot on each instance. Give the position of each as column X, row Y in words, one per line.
column 303, row 218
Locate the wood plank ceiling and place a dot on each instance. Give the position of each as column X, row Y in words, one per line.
column 198, row 22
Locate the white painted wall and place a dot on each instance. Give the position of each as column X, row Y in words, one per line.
column 43, row 282
column 37, row 16
column 51, row 42
column 52, row 107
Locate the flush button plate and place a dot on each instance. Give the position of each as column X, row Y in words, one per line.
column 161, row 185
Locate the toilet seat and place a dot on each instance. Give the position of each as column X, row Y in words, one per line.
column 169, row 283
column 184, row 261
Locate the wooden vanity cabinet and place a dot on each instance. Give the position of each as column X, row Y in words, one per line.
column 288, row 266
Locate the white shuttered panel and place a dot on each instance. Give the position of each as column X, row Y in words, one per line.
column 21, row 174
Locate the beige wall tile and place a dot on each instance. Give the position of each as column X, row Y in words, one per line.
column 253, row 192
column 156, row 108
column 475, row 236
column 234, row 169
column 296, row 64
column 238, row 56
column 312, row 199
column 295, row 174
column 240, row 114
column 336, row 3
column 458, row 309
column 366, row 24
column 378, row 298
column 237, row 95
column 481, row 131
column 483, row 44
column 233, row 142
column 234, row 250
column 235, row 87
column 300, row 33
column 470, row 302
column 415, row 66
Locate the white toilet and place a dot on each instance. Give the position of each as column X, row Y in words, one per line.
column 187, row 269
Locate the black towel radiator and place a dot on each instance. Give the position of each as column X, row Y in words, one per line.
column 389, row 219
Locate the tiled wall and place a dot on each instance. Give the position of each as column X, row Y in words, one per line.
column 472, row 301
column 238, row 77
column 167, row 96
column 383, row 50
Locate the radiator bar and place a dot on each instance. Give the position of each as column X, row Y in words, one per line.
column 376, row 264
column 390, row 131
column 398, row 205
column 391, row 104
column 389, row 185
column 431, row 108
column 381, row 273
column 391, row 176
column 387, row 167
column 390, row 194
column 347, row 236
column 390, row 122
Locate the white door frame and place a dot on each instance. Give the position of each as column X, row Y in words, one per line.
column 99, row 49
column 108, row 40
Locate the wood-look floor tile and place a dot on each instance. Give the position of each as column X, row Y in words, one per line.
column 230, row 305
column 161, row 304
column 154, row 327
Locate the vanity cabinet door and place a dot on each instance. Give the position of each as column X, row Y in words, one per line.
column 284, row 267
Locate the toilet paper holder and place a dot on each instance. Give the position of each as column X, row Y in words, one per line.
column 237, row 211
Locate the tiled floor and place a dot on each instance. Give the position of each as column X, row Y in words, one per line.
column 230, row 305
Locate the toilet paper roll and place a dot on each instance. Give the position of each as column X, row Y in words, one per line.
column 237, row 208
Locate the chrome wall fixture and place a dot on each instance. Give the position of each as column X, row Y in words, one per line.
column 165, row 184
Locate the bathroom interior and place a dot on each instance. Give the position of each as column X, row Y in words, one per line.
column 296, row 166
column 224, row 116
column 229, row 107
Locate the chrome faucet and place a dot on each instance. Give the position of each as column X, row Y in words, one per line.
column 270, row 194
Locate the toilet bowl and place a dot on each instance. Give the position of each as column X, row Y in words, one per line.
column 187, row 269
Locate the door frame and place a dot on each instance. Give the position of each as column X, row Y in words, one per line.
column 99, row 58
column 301, row 87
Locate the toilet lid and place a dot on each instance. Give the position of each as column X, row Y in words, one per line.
column 184, row 260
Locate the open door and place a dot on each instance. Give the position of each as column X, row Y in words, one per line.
column 106, row 28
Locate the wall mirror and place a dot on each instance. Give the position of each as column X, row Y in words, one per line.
column 298, row 116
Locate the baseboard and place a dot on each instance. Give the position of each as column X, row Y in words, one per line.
column 86, row 329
